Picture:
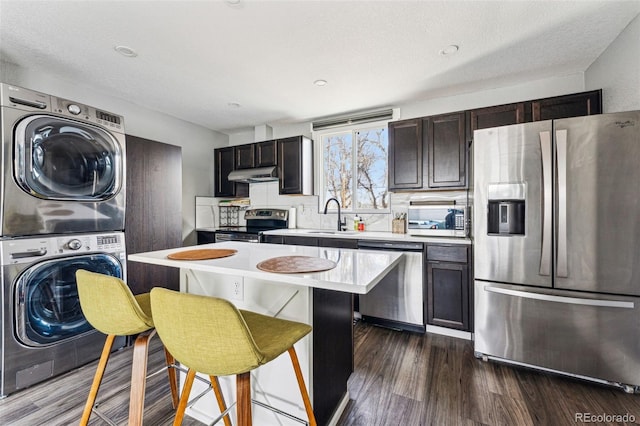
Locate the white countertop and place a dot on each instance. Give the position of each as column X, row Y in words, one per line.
column 368, row 235
column 357, row 271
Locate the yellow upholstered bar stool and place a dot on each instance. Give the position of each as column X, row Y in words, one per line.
column 109, row 306
column 211, row 336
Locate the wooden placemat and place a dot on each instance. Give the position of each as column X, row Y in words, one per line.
column 295, row 264
column 201, row 254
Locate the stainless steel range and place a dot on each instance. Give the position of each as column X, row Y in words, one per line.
column 258, row 221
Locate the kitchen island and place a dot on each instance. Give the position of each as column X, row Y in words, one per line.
column 323, row 299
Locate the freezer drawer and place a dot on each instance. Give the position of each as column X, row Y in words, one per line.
column 581, row 334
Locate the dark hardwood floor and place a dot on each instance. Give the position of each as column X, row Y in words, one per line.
column 400, row 378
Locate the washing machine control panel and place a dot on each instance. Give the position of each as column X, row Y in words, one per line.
column 102, row 242
column 33, row 249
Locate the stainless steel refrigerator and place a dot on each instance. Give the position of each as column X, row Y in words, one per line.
column 557, row 246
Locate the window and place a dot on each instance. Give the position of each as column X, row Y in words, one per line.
column 355, row 168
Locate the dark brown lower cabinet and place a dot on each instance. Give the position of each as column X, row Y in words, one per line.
column 273, row 239
column 448, row 295
column 205, row 237
column 349, row 243
column 153, row 211
column 298, row 240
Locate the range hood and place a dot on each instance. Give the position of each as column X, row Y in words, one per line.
column 258, row 174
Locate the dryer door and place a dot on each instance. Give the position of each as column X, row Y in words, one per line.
column 61, row 159
column 46, row 304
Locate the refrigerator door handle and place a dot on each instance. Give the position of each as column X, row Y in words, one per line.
column 547, row 163
column 561, row 151
column 562, row 299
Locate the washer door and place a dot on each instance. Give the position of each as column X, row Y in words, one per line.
column 47, row 307
column 61, row 159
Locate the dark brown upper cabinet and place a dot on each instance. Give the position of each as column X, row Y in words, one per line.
column 565, row 106
column 575, row 105
column 428, row 153
column 405, row 154
column 224, row 162
column 293, row 156
column 501, row 115
column 444, row 137
column 266, row 153
column 295, row 165
column 260, row 154
column 431, row 153
column 245, row 156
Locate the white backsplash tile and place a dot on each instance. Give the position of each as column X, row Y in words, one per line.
column 206, row 212
column 258, row 193
column 309, row 214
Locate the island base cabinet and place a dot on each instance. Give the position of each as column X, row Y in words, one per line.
column 275, row 383
column 332, row 350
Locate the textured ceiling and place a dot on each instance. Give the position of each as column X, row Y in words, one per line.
column 197, row 57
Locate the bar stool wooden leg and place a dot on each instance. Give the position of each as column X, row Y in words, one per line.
column 184, row 398
column 97, row 379
column 301, row 385
column 243, row 398
column 173, row 378
column 139, row 377
column 215, row 384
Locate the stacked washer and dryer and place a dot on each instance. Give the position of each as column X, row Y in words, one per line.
column 62, row 195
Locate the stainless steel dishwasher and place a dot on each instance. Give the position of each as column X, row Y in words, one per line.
column 397, row 301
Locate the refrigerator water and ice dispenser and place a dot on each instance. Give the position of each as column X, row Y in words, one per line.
column 506, row 217
column 506, row 209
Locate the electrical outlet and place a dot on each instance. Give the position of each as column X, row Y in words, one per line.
column 238, row 290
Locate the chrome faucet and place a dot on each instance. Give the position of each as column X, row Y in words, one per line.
column 341, row 225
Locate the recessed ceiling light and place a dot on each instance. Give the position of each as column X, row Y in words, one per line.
column 232, row 1
column 126, row 51
column 320, row 82
column 233, row 105
column 449, row 50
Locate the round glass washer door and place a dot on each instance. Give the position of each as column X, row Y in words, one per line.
column 46, row 302
column 60, row 159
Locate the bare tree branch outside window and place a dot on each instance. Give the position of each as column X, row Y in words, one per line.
column 370, row 179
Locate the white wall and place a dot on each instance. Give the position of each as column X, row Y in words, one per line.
column 553, row 86
column 278, row 131
column 196, row 141
column 617, row 71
